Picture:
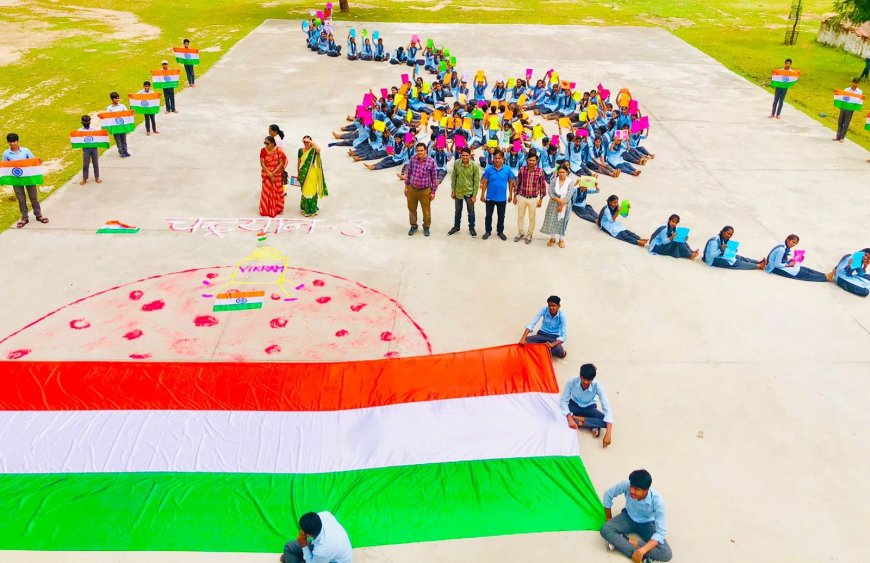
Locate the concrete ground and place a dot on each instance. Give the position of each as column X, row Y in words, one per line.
column 718, row 379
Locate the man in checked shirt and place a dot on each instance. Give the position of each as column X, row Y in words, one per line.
column 421, row 183
column 529, row 196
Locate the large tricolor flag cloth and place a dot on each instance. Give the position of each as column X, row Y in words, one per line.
column 165, row 78
column 145, row 103
column 225, row 457
column 186, row 56
column 116, row 122
column 96, row 139
column 783, row 78
column 848, row 100
column 27, row 172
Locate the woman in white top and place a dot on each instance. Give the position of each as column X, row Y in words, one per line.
column 276, row 133
column 561, row 192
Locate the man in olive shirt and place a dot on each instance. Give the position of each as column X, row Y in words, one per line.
column 464, row 182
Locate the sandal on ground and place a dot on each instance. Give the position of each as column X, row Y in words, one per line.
column 42, row 219
column 551, row 242
column 21, row 223
column 561, row 244
column 596, row 432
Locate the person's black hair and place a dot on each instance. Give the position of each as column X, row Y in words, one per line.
column 276, row 129
column 311, row 524
column 113, row 95
column 552, row 148
column 418, row 145
column 793, row 236
column 554, row 299
column 674, row 216
column 146, row 83
column 465, row 149
column 726, row 228
column 564, row 167
column 497, row 152
column 867, row 250
column 12, row 138
column 640, row 479
column 602, row 130
column 788, row 61
column 856, row 80
column 613, row 197
column 570, row 137
column 270, row 140
column 186, row 41
column 532, row 155
column 588, row 371
column 86, row 119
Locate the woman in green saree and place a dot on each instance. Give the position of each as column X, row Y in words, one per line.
column 310, row 172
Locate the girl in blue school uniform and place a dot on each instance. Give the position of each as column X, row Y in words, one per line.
column 367, row 53
column 352, row 49
column 399, row 56
column 380, row 51
column 478, row 134
column 574, row 153
column 714, row 254
column 852, row 276
column 480, row 90
column 636, row 149
column 499, row 93
column 413, row 49
column 580, row 206
column 615, row 159
column 550, row 161
column 429, row 62
column 373, row 148
column 518, row 90
column 514, row 159
column 662, row 241
column 780, row 262
column 598, row 159
column 607, row 222
column 630, row 155
column 397, row 158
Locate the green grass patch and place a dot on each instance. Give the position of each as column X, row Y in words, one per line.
column 75, row 54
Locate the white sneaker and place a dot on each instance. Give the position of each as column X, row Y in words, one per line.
column 609, row 546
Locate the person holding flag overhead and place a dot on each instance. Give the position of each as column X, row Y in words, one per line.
column 23, row 176
column 90, row 141
column 782, row 79
column 847, row 101
column 166, row 80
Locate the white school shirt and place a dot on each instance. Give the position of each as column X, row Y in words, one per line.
column 119, row 107
column 331, row 545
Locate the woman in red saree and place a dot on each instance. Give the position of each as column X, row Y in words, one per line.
column 273, row 161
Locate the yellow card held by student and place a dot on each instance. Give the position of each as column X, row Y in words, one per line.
column 518, row 127
column 466, row 124
column 521, row 101
column 538, row 132
column 592, row 112
column 564, row 122
column 424, row 119
column 508, row 115
column 436, row 115
column 493, row 123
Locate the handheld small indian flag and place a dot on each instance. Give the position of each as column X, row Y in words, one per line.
column 867, row 123
column 849, row 101
column 186, row 56
column 145, row 103
column 96, row 139
column 238, row 301
column 27, row 172
column 783, row 78
column 165, row 78
column 114, row 227
column 117, row 122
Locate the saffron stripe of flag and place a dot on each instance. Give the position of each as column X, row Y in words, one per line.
column 27, row 172
column 116, row 122
column 186, row 56
column 145, row 103
column 848, row 100
column 238, row 301
column 165, row 78
column 98, row 139
column 116, row 227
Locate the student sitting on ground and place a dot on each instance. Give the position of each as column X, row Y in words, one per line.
column 381, row 52
column 780, row 262
column 352, row 49
column 616, row 160
column 321, row 538
column 644, row 515
column 662, row 241
column 851, row 273
column 399, row 57
column 607, row 222
column 367, row 53
column 553, row 331
column 579, row 205
column 714, row 253
column 578, row 404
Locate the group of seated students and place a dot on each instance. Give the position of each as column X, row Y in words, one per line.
column 590, row 141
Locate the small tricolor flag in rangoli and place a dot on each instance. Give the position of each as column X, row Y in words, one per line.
column 238, row 301
column 145, row 103
column 117, row 122
column 27, row 172
column 783, row 78
column 96, row 139
column 186, row 56
column 114, row 227
column 165, row 78
column 849, row 101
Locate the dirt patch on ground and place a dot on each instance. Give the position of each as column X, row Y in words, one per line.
column 667, row 23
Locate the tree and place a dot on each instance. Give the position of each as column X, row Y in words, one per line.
column 342, row 5
column 856, row 11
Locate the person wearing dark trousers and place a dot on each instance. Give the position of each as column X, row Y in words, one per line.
column 644, row 515
column 846, row 114
column 553, row 331
column 866, row 71
column 579, row 408
column 464, row 182
column 17, row 152
column 120, row 138
column 168, row 93
column 89, row 155
column 495, row 181
column 779, row 94
column 150, row 118
column 188, row 69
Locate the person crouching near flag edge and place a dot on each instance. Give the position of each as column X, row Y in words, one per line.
column 320, row 538
column 89, row 155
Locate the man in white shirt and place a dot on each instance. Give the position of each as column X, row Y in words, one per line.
column 120, row 138
column 321, row 539
column 846, row 114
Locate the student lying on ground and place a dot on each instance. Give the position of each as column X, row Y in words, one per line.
column 780, row 262
column 715, row 253
column 663, row 241
column 607, row 222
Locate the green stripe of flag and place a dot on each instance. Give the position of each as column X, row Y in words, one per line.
column 118, row 129
column 94, row 145
column 188, row 62
column 237, row 306
column 243, row 512
column 161, row 85
column 851, row 106
column 21, row 181
column 783, row 84
column 150, row 110
column 117, row 231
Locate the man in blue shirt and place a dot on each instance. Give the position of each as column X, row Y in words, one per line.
column 17, row 152
column 553, row 328
column 578, row 404
column 494, row 191
column 644, row 515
